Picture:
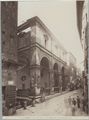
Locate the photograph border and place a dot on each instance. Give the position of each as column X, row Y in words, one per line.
column 38, row 117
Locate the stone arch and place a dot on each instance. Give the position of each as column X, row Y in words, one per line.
column 55, row 67
column 44, row 55
column 44, row 72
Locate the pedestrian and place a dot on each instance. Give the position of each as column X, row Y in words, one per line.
column 73, row 106
column 78, row 102
column 42, row 94
column 25, row 105
column 4, row 109
column 73, row 110
column 74, row 102
column 33, row 101
column 69, row 100
column 83, row 104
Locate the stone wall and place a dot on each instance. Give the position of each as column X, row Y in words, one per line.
column 9, row 41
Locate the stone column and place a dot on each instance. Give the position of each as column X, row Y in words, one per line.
column 35, row 79
column 51, row 82
column 60, row 82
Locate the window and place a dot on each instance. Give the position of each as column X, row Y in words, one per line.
column 46, row 39
column 21, row 35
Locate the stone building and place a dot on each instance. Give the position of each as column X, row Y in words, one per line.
column 71, row 62
column 83, row 24
column 42, row 57
column 9, row 49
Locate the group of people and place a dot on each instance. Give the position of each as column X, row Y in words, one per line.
column 75, row 103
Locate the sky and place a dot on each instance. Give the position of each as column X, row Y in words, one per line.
column 60, row 17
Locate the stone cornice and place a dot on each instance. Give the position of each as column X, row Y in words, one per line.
column 43, row 49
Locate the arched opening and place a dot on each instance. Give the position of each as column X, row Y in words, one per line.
column 56, row 77
column 44, row 64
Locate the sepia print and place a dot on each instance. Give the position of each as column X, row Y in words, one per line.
column 44, row 58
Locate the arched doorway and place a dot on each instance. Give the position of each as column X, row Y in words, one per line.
column 56, row 77
column 45, row 80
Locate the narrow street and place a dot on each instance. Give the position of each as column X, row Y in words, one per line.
column 57, row 106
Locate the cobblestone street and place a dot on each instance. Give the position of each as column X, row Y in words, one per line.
column 57, row 106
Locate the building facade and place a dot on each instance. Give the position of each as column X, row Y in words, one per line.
column 42, row 57
column 71, row 62
column 82, row 22
column 32, row 57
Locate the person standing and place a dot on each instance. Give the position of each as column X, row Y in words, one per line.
column 73, row 110
column 78, row 102
column 4, row 109
column 73, row 107
column 33, row 101
column 42, row 94
column 25, row 105
column 74, row 102
column 69, row 100
column 83, row 104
